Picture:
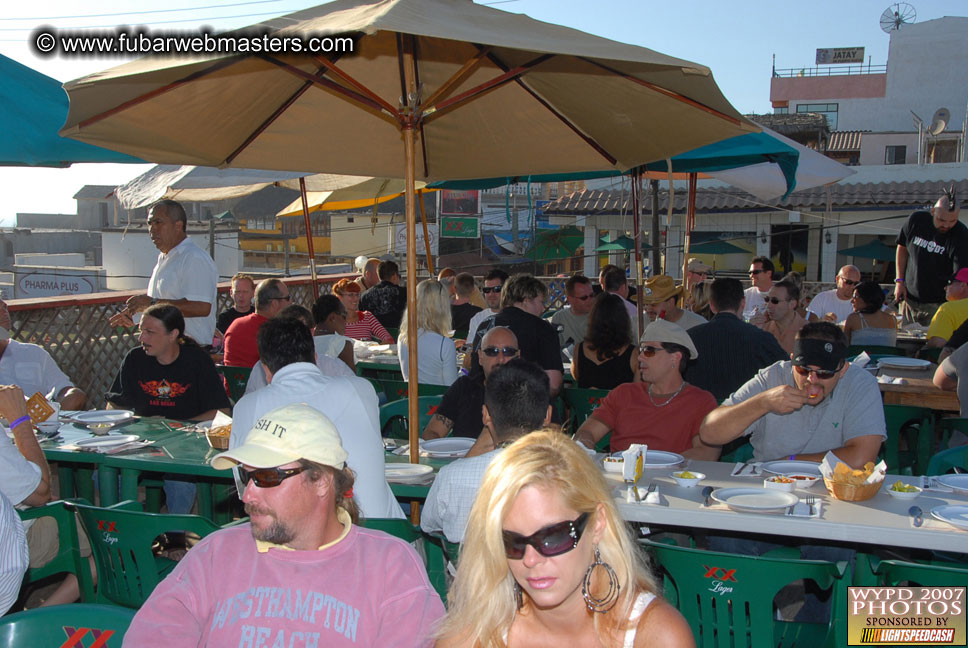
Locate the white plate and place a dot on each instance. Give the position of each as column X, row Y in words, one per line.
column 954, row 515
column 785, row 467
column 957, row 483
column 661, row 459
column 900, row 362
column 103, row 417
column 447, row 447
column 106, row 441
column 403, row 472
column 755, row 500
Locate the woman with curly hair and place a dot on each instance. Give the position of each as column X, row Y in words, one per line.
column 605, row 359
column 869, row 323
column 360, row 325
column 436, row 353
column 548, row 560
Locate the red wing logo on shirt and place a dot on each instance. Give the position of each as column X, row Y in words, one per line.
column 163, row 388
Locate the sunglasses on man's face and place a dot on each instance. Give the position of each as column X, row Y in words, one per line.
column 849, row 282
column 268, row 477
column 552, row 540
column 756, row 272
column 819, row 373
column 649, row 351
column 774, row 300
column 492, row 352
column 582, row 297
column 490, row 289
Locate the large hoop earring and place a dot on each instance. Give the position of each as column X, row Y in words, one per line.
column 610, row 598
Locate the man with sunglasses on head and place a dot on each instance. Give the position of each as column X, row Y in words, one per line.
column 663, row 410
column 931, row 246
column 271, row 296
column 835, row 305
column 300, row 572
column 515, row 403
column 572, row 321
column 288, row 360
column 953, row 313
column 459, row 412
column 803, row 408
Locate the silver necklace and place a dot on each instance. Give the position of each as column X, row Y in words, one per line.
column 669, row 400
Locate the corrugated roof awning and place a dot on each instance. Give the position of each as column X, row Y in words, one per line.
column 845, row 141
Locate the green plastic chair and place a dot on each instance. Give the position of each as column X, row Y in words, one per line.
column 874, row 349
column 440, row 553
column 68, row 558
column 945, row 427
column 727, row 598
column 934, row 574
column 79, row 624
column 913, row 459
column 393, row 416
column 236, row 379
column 581, row 403
column 930, row 353
column 737, row 450
column 399, row 389
column 121, row 538
column 945, row 460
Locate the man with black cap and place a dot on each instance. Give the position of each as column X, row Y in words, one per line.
column 931, row 247
column 803, row 408
column 300, row 572
column 663, row 410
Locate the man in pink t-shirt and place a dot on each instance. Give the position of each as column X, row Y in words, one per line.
column 301, row 572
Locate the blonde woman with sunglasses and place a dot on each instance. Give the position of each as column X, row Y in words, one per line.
column 547, row 560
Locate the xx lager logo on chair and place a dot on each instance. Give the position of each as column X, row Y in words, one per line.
column 719, row 577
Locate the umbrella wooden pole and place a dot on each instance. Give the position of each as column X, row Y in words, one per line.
column 423, row 219
column 690, row 223
column 409, row 125
column 637, row 226
column 309, row 237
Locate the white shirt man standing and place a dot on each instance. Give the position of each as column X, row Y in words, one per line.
column 761, row 276
column 184, row 275
column 834, row 305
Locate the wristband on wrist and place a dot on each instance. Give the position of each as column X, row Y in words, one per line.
column 22, row 419
column 898, row 281
column 792, row 457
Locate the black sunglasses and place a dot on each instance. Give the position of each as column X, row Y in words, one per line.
column 491, row 352
column 849, row 282
column 268, row 477
column 552, row 540
column 774, row 300
column 489, row 289
column 756, row 272
column 649, row 351
column 819, row 373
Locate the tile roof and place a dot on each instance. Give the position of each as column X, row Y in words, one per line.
column 869, row 195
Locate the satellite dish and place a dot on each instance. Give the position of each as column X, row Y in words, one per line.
column 940, row 121
column 899, row 13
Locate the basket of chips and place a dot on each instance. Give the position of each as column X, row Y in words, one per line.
column 218, row 436
column 854, row 484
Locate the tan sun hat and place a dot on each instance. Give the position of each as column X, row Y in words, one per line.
column 660, row 288
column 669, row 332
column 284, row 435
column 695, row 265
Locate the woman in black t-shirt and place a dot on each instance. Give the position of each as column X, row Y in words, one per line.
column 605, row 359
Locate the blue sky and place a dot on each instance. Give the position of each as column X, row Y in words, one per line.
column 737, row 40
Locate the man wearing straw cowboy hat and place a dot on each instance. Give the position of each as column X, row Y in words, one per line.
column 661, row 297
column 803, row 408
column 301, row 572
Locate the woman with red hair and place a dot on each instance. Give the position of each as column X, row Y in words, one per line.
column 360, row 325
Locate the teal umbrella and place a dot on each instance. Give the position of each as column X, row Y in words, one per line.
column 33, row 107
column 553, row 245
column 876, row 249
column 716, row 247
column 622, row 244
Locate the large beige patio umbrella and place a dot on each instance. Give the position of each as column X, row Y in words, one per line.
column 433, row 90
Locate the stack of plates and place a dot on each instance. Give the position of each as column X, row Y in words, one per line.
column 404, row 473
column 901, row 362
column 786, row 467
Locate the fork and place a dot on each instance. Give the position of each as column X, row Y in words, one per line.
column 810, row 503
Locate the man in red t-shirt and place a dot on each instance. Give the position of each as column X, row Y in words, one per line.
column 271, row 297
column 662, row 411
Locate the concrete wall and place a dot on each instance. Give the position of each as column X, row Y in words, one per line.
column 130, row 257
column 873, row 147
column 20, row 240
